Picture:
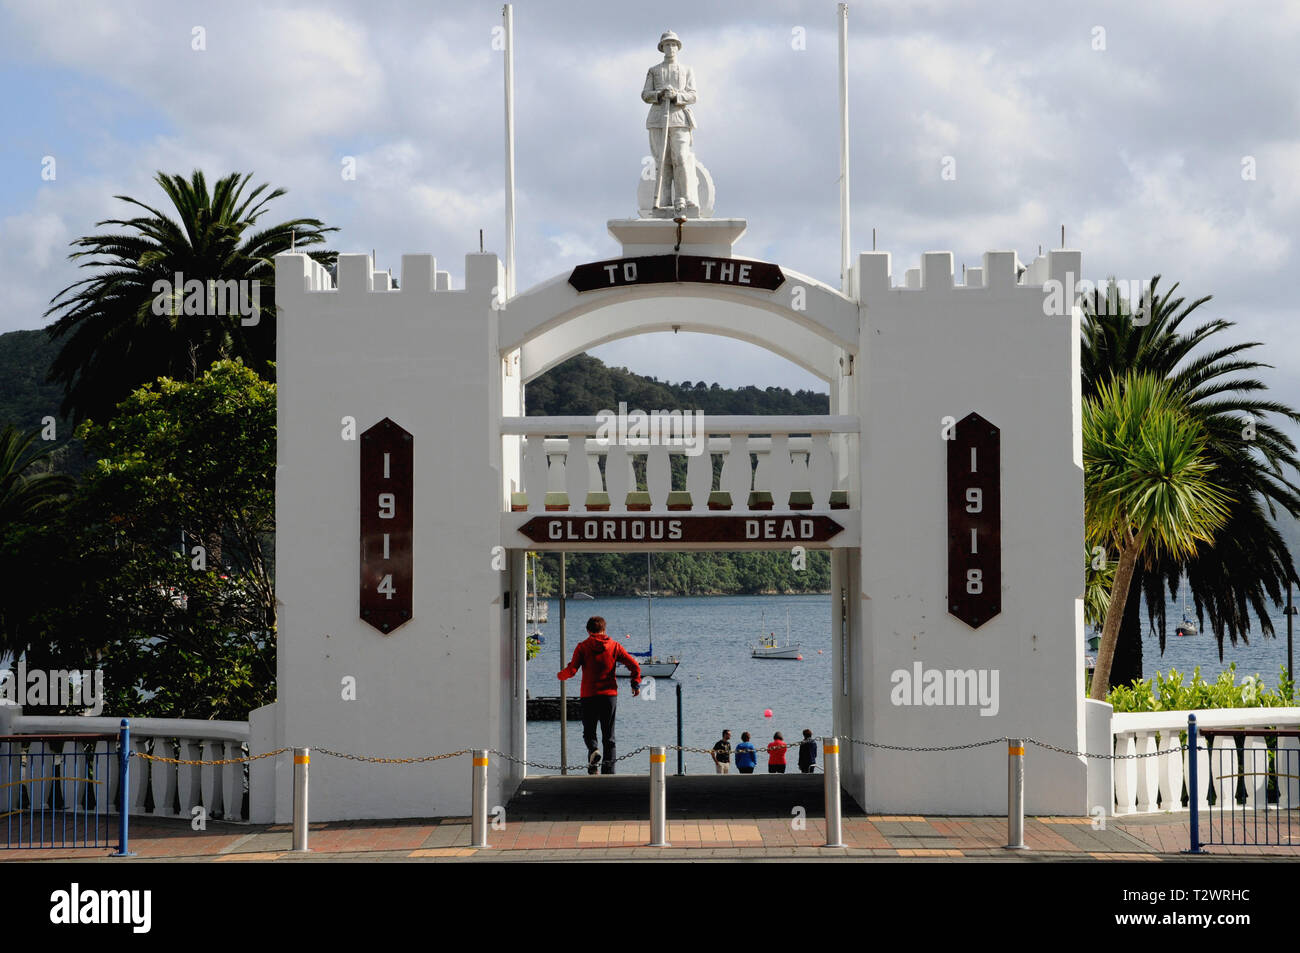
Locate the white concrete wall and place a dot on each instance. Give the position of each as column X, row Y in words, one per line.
column 431, row 360
column 935, row 350
column 428, row 359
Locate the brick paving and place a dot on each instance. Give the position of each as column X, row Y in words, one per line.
column 563, row 819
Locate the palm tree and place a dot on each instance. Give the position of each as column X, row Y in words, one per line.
column 1148, row 487
column 116, row 339
column 27, row 495
column 1249, row 563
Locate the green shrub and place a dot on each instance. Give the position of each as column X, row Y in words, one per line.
column 1168, row 693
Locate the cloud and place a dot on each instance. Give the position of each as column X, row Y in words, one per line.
column 1136, row 148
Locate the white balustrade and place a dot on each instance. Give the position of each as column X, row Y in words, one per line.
column 1288, row 772
column 793, row 454
column 1148, row 772
column 218, row 788
column 1144, row 785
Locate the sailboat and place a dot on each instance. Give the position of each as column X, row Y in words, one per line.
column 651, row 664
column 768, row 648
column 533, row 613
column 1188, row 627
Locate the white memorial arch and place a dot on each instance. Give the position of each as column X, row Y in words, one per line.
column 902, row 360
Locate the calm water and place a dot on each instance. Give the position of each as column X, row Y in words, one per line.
column 722, row 687
column 1261, row 657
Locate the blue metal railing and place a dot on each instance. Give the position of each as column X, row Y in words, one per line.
column 59, row 790
column 1253, row 788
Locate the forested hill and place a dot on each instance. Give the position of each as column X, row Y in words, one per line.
column 581, row 386
column 584, row 386
column 26, row 399
column 25, row 359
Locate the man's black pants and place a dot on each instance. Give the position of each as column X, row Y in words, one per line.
column 600, row 708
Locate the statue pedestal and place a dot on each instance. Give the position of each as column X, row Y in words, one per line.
column 712, row 237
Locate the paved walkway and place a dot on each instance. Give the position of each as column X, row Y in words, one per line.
column 710, row 818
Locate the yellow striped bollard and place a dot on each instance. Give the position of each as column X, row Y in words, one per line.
column 479, row 827
column 301, row 761
column 1015, row 794
column 658, row 798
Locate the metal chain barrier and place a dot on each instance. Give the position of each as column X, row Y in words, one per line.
column 565, row 767
column 1032, row 741
column 244, row 760
column 1106, row 757
column 973, row 744
column 361, row 757
column 582, row 766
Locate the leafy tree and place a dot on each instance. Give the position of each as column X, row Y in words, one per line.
column 114, row 337
column 1249, row 563
column 173, row 593
column 1148, row 487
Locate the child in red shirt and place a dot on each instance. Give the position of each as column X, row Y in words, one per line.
column 776, row 755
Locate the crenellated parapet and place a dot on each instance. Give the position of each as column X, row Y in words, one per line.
column 1000, row 271
column 356, row 275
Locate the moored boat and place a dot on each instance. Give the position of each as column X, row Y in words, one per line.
column 651, row 665
column 769, row 648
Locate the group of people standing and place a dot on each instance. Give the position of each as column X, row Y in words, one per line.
column 597, row 657
column 747, row 754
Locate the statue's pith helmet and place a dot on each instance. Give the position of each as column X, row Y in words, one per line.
column 669, row 37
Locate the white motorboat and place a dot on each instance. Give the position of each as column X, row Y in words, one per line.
column 769, row 648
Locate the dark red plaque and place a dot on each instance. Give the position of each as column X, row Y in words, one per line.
column 623, row 532
column 387, row 467
column 975, row 521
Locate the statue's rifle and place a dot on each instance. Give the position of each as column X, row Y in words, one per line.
column 663, row 153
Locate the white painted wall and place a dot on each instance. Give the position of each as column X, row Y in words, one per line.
column 928, row 352
column 436, row 362
column 427, row 359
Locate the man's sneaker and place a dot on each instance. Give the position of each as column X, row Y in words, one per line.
column 593, row 762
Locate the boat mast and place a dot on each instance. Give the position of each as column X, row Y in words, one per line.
column 649, row 602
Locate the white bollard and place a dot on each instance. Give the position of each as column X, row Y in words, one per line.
column 831, row 759
column 1016, row 794
column 658, row 798
column 301, row 761
column 479, row 825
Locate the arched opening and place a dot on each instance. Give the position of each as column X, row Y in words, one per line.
column 766, row 466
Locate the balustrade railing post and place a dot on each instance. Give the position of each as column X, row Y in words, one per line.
column 479, row 820
column 1193, row 796
column 658, row 798
column 834, row 824
column 301, row 764
column 1016, row 794
column 124, row 806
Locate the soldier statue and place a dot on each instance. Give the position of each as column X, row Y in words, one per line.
column 670, row 91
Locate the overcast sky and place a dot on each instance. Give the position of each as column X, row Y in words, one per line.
column 1137, row 125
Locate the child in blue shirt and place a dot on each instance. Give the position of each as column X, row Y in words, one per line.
column 746, row 755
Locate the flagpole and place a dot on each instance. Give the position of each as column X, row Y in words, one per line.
column 507, row 14
column 844, row 148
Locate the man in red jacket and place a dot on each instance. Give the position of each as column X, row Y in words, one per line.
column 597, row 655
